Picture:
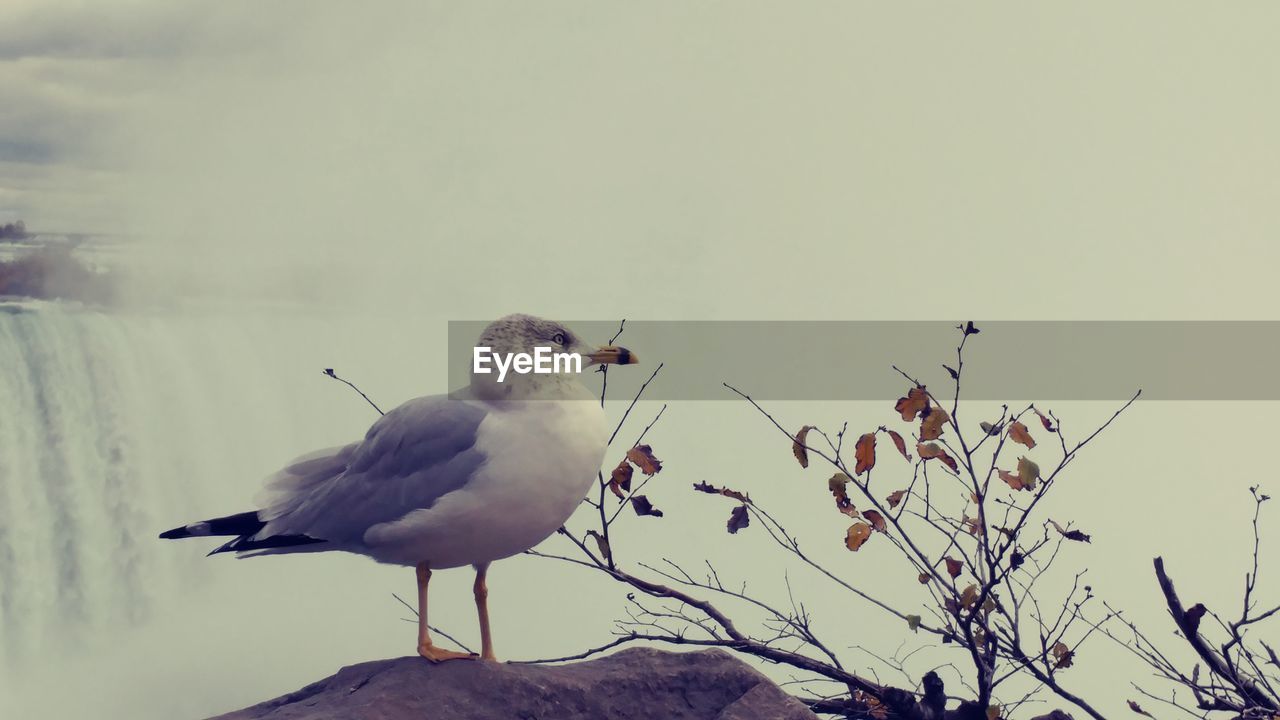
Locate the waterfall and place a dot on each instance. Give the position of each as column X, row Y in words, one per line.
column 114, row 426
column 119, row 423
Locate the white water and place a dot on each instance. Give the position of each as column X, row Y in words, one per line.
column 113, row 426
column 117, row 424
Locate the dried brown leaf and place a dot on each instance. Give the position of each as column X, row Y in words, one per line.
column 933, row 450
column 1012, row 479
column 1019, row 434
column 1062, row 656
column 876, row 520
column 874, row 708
column 974, row 526
column 931, row 425
column 865, row 453
column 899, row 443
column 620, row 479
column 642, row 456
column 857, row 535
column 916, row 402
column 710, row 489
column 1075, row 535
column 798, row 446
column 643, row 507
column 1138, row 709
column 836, row 484
column 601, row 543
column 1028, row 472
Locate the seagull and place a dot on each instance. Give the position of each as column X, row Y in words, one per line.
column 443, row 481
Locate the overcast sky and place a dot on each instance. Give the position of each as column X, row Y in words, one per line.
column 69, row 71
column 412, row 163
column 1082, row 148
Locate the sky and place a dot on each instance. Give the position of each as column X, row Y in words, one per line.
column 70, row 71
column 392, row 166
column 824, row 150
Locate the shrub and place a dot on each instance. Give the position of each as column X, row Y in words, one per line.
column 13, row 231
column 53, row 272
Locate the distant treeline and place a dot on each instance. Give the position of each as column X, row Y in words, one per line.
column 53, row 272
column 13, row 231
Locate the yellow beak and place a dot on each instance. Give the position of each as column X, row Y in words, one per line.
column 611, row 354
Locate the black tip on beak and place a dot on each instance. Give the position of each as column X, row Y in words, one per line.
column 613, row 355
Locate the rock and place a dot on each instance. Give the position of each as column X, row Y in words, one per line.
column 633, row 684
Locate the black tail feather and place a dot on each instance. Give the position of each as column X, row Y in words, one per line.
column 245, row 523
column 244, row 543
column 244, row 526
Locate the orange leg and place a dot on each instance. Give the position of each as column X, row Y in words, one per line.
column 482, row 609
column 425, row 648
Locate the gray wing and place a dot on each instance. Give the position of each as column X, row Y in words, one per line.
column 410, row 458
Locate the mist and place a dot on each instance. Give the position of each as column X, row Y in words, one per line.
column 310, row 186
column 450, row 160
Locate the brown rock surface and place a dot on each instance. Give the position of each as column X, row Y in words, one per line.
column 633, row 684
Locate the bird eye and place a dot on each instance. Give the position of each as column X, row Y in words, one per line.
column 560, row 339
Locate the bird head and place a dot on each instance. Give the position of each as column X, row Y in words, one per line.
column 528, row 356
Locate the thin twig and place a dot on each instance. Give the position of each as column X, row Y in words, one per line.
column 330, row 373
column 433, row 628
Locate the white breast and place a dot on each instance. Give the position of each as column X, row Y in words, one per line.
column 541, row 459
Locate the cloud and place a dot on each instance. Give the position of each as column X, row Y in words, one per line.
column 54, row 117
column 26, row 152
column 71, row 74
column 114, row 30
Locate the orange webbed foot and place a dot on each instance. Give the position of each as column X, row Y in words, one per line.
column 439, row 655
